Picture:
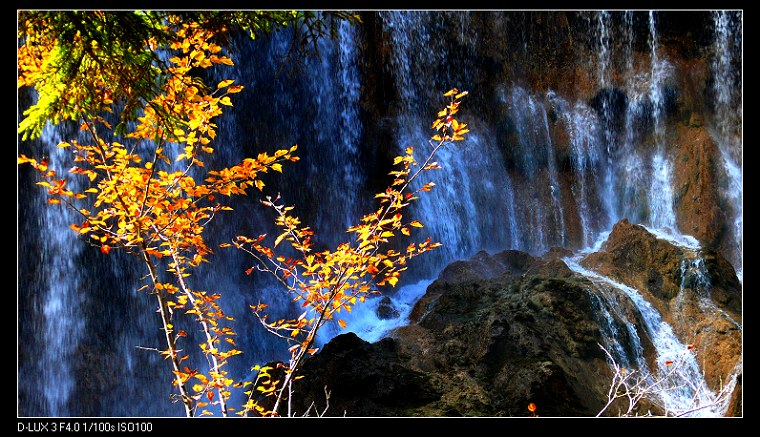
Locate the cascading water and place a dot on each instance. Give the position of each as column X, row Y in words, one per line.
column 62, row 327
column 587, row 158
column 727, row 120
column 473, row 175
column 607, row 113
column 515, row 182
column 661, row 203
column 539, row 166
column 686, row 395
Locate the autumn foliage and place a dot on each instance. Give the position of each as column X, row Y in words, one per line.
column 147, row 192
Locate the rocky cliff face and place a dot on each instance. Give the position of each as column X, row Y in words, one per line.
column 596, row 116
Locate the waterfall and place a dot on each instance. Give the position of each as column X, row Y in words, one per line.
column 552, row 159
column 587, row 158
column 661, row 194
column 677, row 396
column 62, row 327
column 473, row 174
column 608, row 135
column 536, row 154
column 611, row 320
column 727, row 120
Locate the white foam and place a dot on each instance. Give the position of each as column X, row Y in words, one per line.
column 363, row 319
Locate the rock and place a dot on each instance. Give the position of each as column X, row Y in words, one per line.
column 386, row 310
column 696, row 292
column 497, row 332
column 481, row 266
column 526, row 333
column 611, row 105
column 695, row 180
column 363, row 380
column 557, row 253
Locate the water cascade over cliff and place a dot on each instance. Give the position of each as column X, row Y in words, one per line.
column 578, row 120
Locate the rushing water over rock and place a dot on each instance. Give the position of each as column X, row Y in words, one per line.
column 576, row 120
column 687, row 390
column 727, row 120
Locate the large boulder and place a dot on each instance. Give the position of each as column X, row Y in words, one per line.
column 491, row 335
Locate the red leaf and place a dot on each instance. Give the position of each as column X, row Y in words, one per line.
column 105, row 248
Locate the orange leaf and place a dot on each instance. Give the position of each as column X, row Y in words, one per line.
column 532, row 407
column 342, row 323
column 105, row 248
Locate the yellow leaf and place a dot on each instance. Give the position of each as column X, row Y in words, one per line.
column 279, row 239
column 225, row 101
column 225, row 83
column 277, row 167
column 416, row 224
column 392, row 280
